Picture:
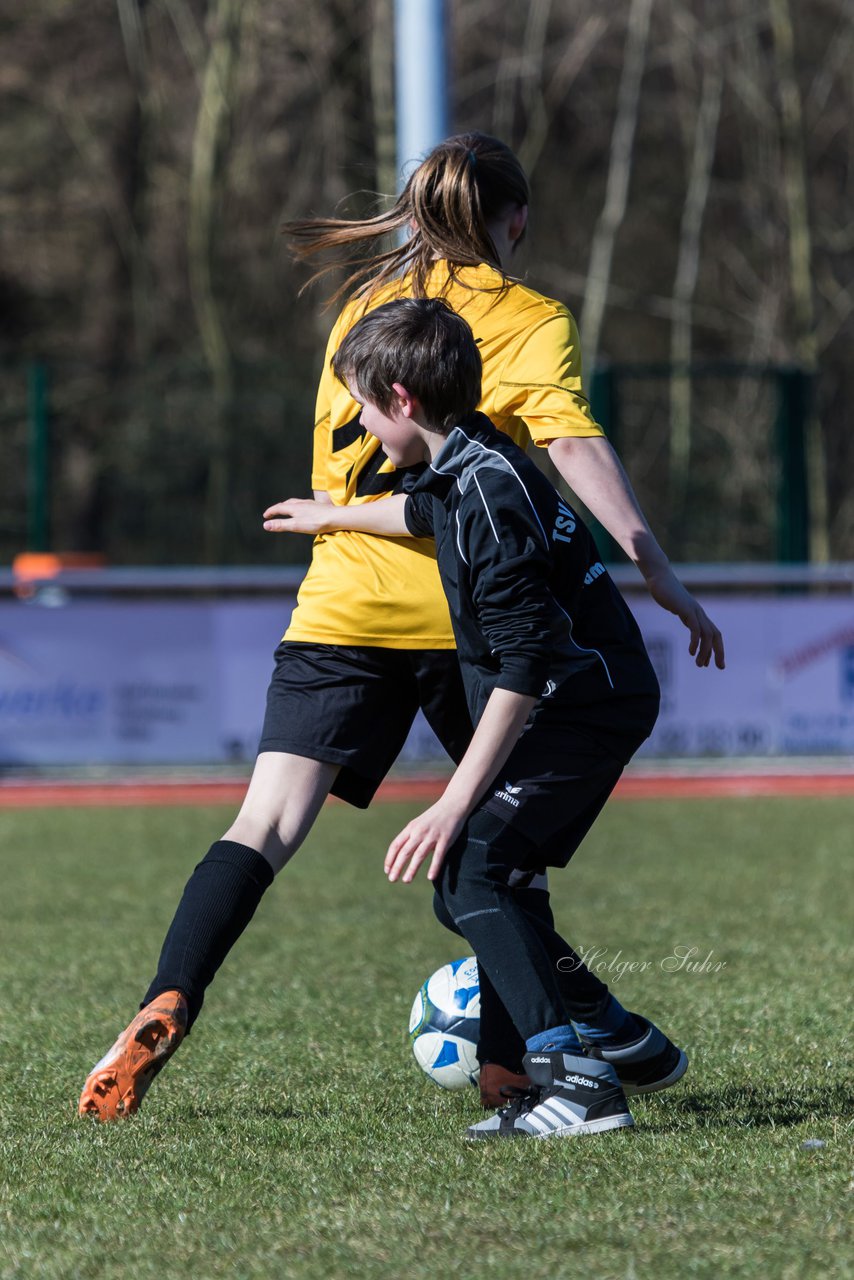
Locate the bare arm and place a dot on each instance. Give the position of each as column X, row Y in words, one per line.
column 320, row 495
column 592, row 469
column 307, row 515
column 435, row 830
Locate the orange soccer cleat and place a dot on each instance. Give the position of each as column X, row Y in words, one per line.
column 118, row 1083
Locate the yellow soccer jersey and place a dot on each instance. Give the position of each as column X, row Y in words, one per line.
column 365, row 590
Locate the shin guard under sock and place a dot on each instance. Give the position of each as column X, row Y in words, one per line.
column 219, row 900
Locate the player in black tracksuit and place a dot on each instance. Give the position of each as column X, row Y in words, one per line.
column 534, row 611
column 558, row 683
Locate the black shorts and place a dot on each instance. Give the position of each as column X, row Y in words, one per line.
column 549, row 794
column 354, row 706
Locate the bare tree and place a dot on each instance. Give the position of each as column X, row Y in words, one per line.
column 617, row 185
column 216, row 104
column 546, row 91
column 687, row 269
column 132, row 15
column 113, row 160
column 382, row 95
column 795, row 184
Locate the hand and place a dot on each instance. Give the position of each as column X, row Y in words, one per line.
column 666, row 590
column 433, row 832
column 300, row 515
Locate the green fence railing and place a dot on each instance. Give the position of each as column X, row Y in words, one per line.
column 741, row 495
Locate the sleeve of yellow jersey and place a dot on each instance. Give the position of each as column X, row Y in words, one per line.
column 322, row 414
column 540, row 381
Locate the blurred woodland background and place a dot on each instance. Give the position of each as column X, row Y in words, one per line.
column 692, row 167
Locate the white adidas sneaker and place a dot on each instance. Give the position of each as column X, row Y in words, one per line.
column 569, row 1095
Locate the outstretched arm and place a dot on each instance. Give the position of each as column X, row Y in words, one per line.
column 305, row 515
column 595, row 474
column 432, row 833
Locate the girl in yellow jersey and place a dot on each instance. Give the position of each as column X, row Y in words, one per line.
column 370, row 640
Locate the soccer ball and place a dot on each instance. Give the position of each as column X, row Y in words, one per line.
column 445, row 1023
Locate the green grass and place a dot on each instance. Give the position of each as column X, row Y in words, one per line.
column 293, row 1135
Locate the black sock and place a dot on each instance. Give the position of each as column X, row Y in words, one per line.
column 219, row 900
column 498, row 1041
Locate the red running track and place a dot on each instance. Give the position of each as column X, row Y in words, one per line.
column 26, row 795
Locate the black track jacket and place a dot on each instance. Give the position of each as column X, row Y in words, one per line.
column 533, row 607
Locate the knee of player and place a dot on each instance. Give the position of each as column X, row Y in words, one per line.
column 442, row 913
column 290, row 828
column 275, row 833
column 470, row 890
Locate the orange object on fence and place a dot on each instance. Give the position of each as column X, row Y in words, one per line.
column 32, row 568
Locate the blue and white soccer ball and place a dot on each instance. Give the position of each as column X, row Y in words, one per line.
column 445, row 1023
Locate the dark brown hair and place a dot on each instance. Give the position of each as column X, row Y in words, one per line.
column 463, row 184
column 421, row 343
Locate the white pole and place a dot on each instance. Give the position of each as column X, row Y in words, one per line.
column 421, row 97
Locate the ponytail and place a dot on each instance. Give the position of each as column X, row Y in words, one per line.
column 463, row 184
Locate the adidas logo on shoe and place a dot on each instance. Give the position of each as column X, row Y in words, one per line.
column 590, row 1084
column 573, row 1080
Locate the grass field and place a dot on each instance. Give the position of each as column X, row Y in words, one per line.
column 293, row 1136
